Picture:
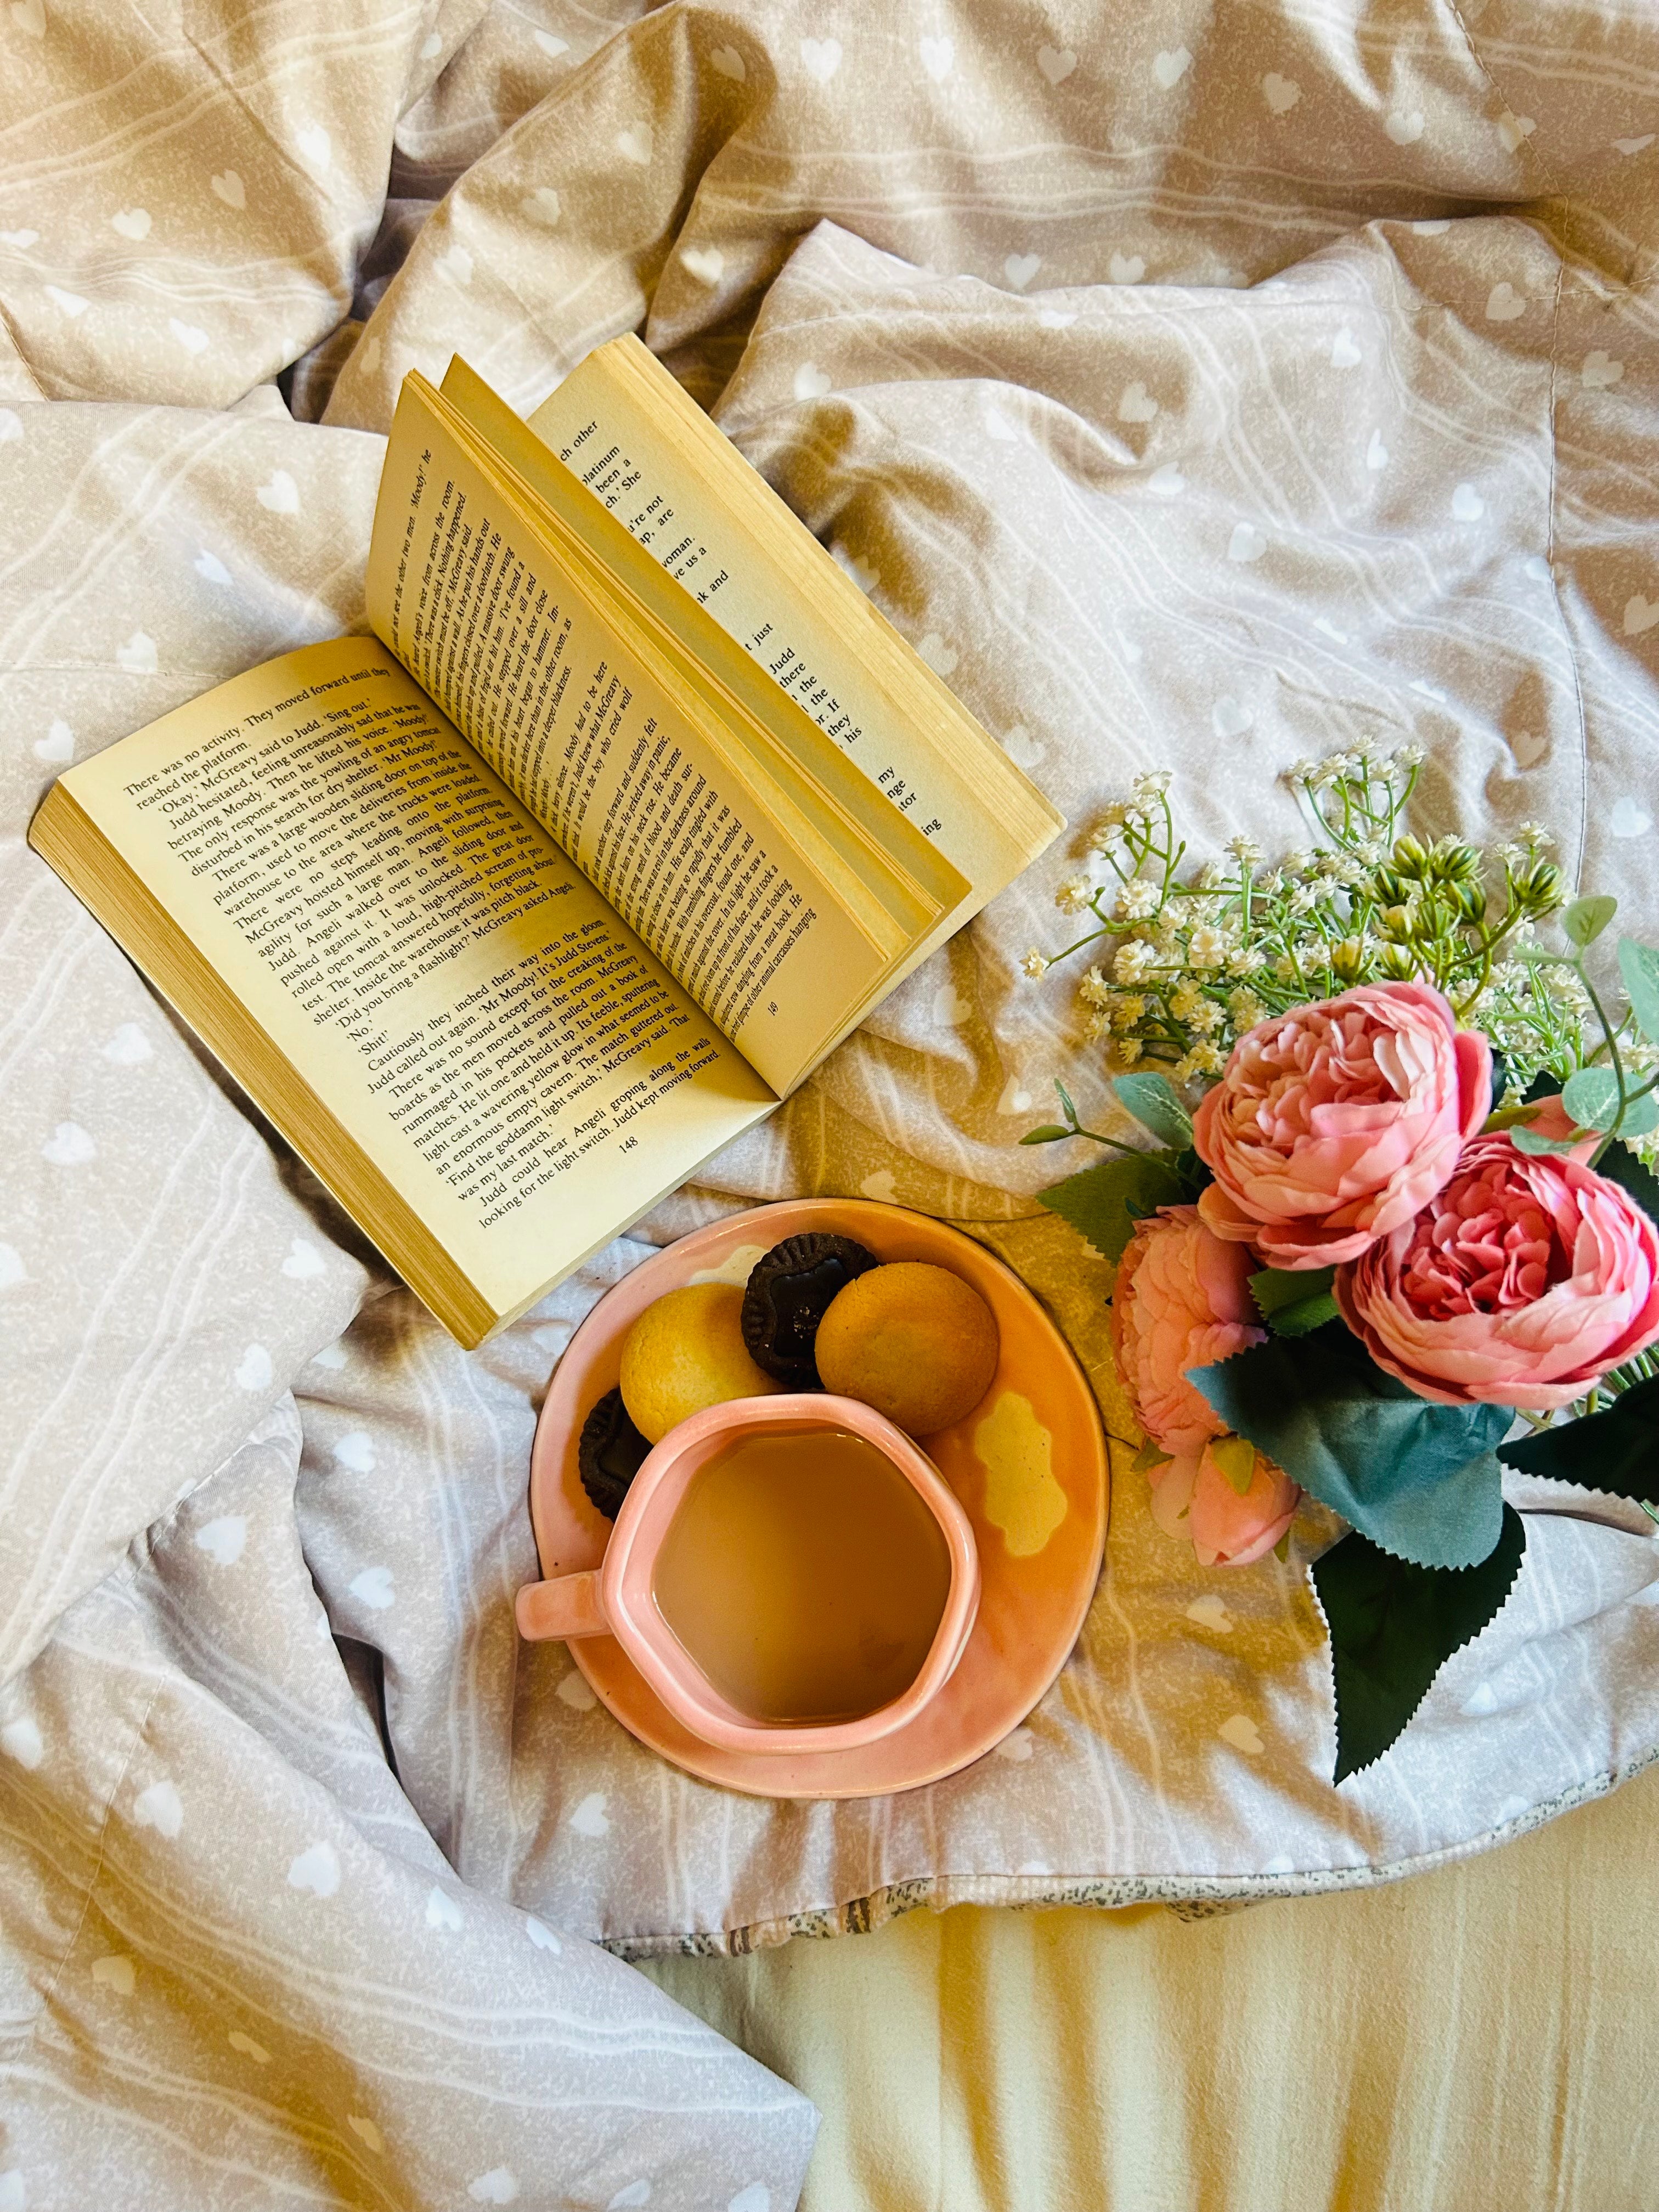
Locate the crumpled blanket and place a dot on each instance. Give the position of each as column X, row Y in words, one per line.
column 1205, row 388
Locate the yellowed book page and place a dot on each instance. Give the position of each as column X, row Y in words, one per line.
column 623, row 426
column 503, row 1047
column 508, row 638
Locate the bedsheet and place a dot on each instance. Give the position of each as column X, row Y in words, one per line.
column 1201, row 389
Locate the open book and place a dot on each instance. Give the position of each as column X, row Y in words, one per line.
column 512, row 914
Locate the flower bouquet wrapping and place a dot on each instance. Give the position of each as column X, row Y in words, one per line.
column 1401, row 1230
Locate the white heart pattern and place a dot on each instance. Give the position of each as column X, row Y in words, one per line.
column 255, row 1372
column 374, row 1588
column 820, row 57
column 1633, row 145
column 629, row 2199
column 1404, row 129
column 1529, row 747
column 114, row 1971
column 1210, row 1612
column 541, row 1934
column 1056, row 62
column 1601, row 371
column 30, row 15
column 281, row 496
column 21, row 239
column 730, row 63
column 137, row 655
column 881, row 1187
column 1505, row 303
column 303, row 1260
column 1055, row 318
column 1014, row 1098
column 1228, row 718
column 1022, row 748
column 356, row 1450
column 57, row 746
column 160, row 1807
column 1127, row 268
column 574, row 1690
column 71, row 302
column 1242, row 1732
column 431, row 46
column 457, row 262
column 315, row 145
column 11, row 426
column 1377, row 453
column 1436, row 226
column 362, row 2126
column 20, row 1739
column 997, row 425
column 551, row 45
column 1629, row 819
column 950, row 1009
column 12, row 1270
column 228, row 186
column 1168, row 481
column 940, row 657
column 1514, row 131
column 863, row 574
column 210, row 568
column 810, row 382
column 637, row 144
column 1020, row 268
column 499, row 2186
column 131, row 223
column 248, row 2047
column 543, row 205
column 757, row 2197
column 224, row 1539
column 441, row 1909
column 706, row 263
column 317, row 1868
column 1467, row 506
column 1280, row 93
column 1137, row 405
column 938, row 57
column 1246, row 544
column 1169, row 67
column 68, row 1147
column 589, row 1818
column 13, row 2196
column 1640, row 613
column 1345, row 353
column 1018, row 1747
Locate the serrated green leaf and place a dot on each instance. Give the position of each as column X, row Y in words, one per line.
column 1103, row 1203
column 1049, row 1134
column 1639, row 964
column 1236, row 1457
column 1302, row 1320
column 1275, row 1288
column 1584, row 918
column 1591, row 1096
column 1153, row 1101
column 1420, row 1479
column 1149, row 1456
column 1616, row 1450
column 1634, row 1177
column 1528, row 1140
column 1394, row 1626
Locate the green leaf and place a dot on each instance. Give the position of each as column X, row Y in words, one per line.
column 1616, row 1451
column 1236, row 1457
column 1049, row 1134
column 1394, row 1626
column 1153, row 1101
column 1584, row 918
column 1294, row 1301
column 1641, row 1116
column 1149, row 1456
column 1420, row 1479
column 1528, row 1140
column 1104, row 1203
column 1592, row 1098
column 1066, row 1105
column 1639, row 966
column 1636, row 1180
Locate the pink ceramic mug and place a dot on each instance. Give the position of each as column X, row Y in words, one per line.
column 616, row 1598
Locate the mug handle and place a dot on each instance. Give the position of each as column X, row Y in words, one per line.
column 566, row 1607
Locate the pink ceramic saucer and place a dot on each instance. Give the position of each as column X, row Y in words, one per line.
column 1029, row 1465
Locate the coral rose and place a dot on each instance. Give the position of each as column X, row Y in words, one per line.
column 1521, row 1282
column 1337, row 1122
column 1192, row 1497
column 1182, row 1300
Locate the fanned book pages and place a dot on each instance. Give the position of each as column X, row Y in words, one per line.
column 511, row 915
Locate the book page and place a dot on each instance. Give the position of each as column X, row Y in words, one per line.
column 516, row 644
column 498, row 1043
column 682, row 490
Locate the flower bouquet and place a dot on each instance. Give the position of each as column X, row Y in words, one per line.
column 1401, row 1231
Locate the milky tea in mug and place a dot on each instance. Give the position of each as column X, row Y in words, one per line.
column 804, row 1576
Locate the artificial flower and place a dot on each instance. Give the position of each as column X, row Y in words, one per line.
column 1182, row 1300
column 1192, row 1496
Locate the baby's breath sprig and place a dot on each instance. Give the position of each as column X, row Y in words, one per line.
column 1183, row 969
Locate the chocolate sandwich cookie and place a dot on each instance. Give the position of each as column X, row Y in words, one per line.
column 609, row 1455
column 789, row 1292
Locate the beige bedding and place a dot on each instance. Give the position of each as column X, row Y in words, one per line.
column 1206, row 392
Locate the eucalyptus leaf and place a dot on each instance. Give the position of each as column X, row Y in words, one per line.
column 1153, row 1101
column 1103, row 1203
column 1394, row 1626
column 1420, row 1479
column 1639, row 966
column 1641, row 1116
column 1591, row 1096
column 1615, row 1451
column 1528, row 1140
column 1634, row 1177
column 1584, row 918
column 1049, row 1134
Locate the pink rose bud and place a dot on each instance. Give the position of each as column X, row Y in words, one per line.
column 1182, row 1300
column 1192, row 1496
column 1520, row 1284
column 1335, row 1123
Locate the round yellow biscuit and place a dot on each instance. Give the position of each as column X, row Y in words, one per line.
column 685, row 1352
column 914, row 1341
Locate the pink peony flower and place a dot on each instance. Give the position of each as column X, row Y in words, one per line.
column 1182, row 1300
column 1335, row 1123
column 1192, row 1497
column 1520, row 1284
